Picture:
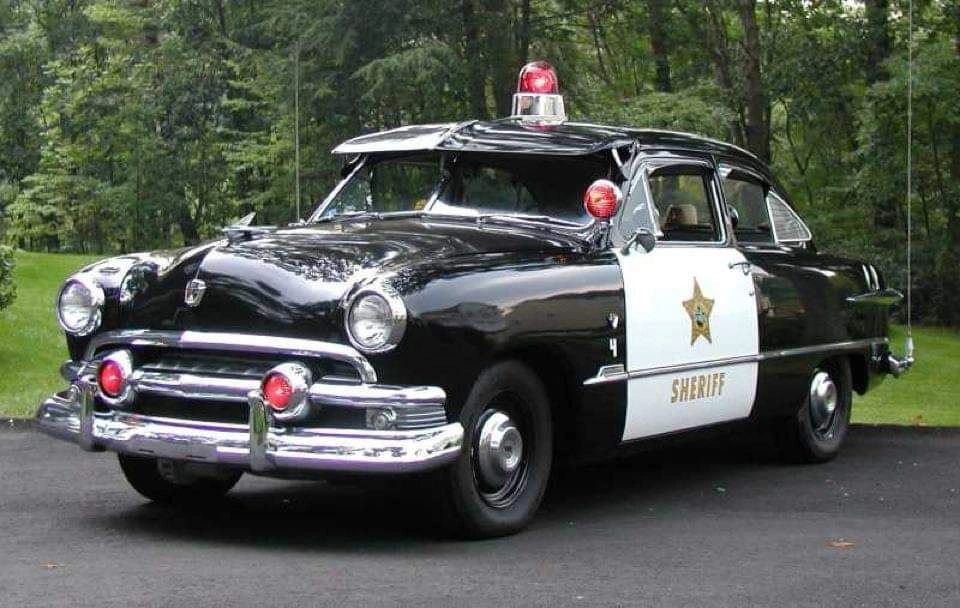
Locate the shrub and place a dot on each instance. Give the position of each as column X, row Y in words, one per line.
column 7, row 288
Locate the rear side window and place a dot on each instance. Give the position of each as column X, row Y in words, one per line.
column 747, row 200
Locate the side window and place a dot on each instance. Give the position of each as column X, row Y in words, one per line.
column 787, row 225
column 747, row 197
column 683, row 205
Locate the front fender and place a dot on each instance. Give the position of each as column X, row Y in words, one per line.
column 465, row 313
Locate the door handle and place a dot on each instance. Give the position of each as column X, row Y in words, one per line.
column 744, row 266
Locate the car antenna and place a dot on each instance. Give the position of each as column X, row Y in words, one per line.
column 908, row 346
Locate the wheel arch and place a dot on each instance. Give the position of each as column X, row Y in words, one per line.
column 556, row 372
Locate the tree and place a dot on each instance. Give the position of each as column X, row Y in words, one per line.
column 7, row 288
column 148, row 124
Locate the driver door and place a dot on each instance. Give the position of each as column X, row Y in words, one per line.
column 691, row 316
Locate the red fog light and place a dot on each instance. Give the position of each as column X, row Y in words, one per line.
column 277, row 391
column 112, row 378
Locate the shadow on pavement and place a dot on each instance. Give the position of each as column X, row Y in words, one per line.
column 352, row 517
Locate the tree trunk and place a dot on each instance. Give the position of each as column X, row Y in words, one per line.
column 221, row 17
column 188, row 228
column 715, row 44
column 499, row 53
column 878, row 39
column 476, row 91
column 757, row 124
column 523, row 37
column 659, row 44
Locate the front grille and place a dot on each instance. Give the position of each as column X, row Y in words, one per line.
column 207, row 363
column 182, row 409
column 249, row 366
column 328, row 416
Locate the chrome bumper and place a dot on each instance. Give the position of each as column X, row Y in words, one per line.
column 258, row 446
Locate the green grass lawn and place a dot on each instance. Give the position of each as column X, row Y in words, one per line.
column 31, row 343
column 32, row 349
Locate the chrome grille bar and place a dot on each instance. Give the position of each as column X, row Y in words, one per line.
column 231, row 342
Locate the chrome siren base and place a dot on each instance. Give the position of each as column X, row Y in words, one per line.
column 258, row 446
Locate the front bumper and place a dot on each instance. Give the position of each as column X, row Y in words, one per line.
column 262, row 445
column 258, row 446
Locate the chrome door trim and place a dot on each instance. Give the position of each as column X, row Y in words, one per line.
column 617, row 373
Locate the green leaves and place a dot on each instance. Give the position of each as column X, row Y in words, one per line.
column 134, row 125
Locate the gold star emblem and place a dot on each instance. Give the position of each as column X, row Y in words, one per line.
column 699, row 308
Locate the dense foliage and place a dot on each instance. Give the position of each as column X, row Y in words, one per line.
column 128, row 124
column 7, row 288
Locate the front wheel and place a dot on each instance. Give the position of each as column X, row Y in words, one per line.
column 819, row 428
column 168, row 482
column 496, row 485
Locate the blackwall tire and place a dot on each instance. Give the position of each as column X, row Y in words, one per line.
column 811, row 436
column 484, row 494
column 144, row 476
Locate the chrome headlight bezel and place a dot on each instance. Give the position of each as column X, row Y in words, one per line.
column 397, row 318
column 95, row 315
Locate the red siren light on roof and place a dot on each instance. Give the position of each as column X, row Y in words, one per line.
column 538, row 100
column 538, row 77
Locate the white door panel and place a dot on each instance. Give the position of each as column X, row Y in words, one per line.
column 686, row 306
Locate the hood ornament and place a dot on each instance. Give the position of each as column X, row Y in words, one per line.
column 194, row 293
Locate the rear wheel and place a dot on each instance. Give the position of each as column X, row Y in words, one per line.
column 169, row 482
column 497, row 483
column 818, row 430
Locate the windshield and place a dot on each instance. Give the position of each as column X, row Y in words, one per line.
column 546, row 188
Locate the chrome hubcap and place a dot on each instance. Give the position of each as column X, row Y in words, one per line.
column 823, row 400
column 499, row 450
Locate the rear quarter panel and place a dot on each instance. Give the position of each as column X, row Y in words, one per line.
column 801, row 302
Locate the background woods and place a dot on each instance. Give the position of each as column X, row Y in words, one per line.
column 132, row 124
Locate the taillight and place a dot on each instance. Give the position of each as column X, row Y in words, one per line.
column 602, row 199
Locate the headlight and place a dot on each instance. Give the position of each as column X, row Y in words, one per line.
column 79, row 306
column 376, row 319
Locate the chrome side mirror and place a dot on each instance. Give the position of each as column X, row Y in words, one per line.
column 734, row 216
column 642, row 237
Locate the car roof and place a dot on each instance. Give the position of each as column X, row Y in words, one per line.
column 512, row 136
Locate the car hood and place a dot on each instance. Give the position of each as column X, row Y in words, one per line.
column 292, row 281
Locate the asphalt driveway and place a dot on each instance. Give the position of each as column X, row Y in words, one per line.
column 716, row 525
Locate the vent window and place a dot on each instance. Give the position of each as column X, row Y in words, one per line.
column 787, row 225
